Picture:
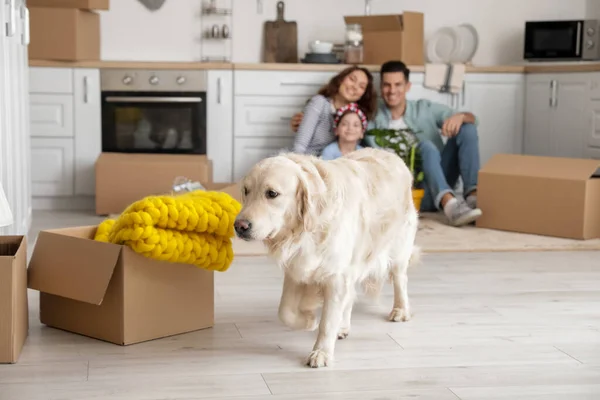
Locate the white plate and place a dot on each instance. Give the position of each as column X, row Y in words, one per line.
column 468, row 43
column 443, row 45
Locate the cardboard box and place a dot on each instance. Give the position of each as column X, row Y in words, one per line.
column 81, row 4
column 109, row 292
column 14, row 307
column 549, row 196
column 66, row 34
column 392, row 37
column 122, row 179
column 232, row 189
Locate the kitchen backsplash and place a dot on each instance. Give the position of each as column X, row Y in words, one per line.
column 130, row 32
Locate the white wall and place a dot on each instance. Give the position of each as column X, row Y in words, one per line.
column 129, row 32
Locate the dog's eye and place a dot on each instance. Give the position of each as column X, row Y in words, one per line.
column 271, row 194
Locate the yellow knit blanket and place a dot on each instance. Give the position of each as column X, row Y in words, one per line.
column 192, row 228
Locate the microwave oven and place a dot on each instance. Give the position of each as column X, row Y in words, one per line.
column 569, row 40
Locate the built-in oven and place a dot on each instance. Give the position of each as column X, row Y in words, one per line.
column 148, row 111
column 562, row 40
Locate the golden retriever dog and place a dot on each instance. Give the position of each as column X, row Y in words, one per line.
column 332, row 226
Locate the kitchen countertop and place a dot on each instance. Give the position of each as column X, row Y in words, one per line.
column 517, row 68
column 131, row 64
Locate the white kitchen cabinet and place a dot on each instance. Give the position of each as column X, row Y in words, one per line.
column 51, row 115
column 497, row 100
column 88, row 129
column 249, row 151
column 266, row 115
column 280, row 83
column 52, row 169
column 219, row 111
column 558, row 114
column 66, row 111
column 14, row 114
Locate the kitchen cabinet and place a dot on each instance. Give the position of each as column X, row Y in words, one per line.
column 88, row 129
column 220, row 122
column 249, row 151
column 66, row 123
column 558, row 114
column 497, row 100
column 52, row 167
column 15, row 156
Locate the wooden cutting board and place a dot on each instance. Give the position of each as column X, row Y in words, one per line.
column 280, row 39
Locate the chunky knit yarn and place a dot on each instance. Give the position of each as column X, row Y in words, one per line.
column 192, row 228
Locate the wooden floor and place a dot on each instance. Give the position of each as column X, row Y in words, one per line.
column 486, row 326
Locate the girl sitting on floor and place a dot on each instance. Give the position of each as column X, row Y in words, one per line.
column 352, row 85
column 350, row 124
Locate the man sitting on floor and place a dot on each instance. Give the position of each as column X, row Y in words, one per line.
column 442, row 163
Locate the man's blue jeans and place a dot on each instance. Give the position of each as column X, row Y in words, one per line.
column 460, row 157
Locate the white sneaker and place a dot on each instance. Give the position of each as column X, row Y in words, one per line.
column 459, row 213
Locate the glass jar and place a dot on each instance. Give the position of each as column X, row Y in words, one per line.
column 353, row 51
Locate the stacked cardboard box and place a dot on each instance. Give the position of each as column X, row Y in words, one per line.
column 65, row 30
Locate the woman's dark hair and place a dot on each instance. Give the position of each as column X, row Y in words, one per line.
column 368, row 101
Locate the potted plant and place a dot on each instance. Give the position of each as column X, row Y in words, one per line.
column 404, row 143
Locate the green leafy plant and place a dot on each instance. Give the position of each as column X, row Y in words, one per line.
column 404, row 143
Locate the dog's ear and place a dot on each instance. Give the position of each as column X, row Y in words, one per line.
column 309, row 196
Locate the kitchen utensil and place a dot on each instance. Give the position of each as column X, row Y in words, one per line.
column 225, row 31
column 152, row 5
column 469, row 42
column 215, row 31
column 319, row 47
column 320, row 58
column 280, row 39
column 443, row 45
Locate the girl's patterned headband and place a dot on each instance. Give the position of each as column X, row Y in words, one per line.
column 353, row 107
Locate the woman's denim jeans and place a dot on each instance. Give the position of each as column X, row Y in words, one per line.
column 460, row 157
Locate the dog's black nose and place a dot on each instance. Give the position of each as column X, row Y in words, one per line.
column 242, row 226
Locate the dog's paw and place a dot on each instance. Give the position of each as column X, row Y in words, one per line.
column 319, row 358
column 343, row 333
column 399, row 314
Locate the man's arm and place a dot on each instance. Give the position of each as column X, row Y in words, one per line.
column 450, row 121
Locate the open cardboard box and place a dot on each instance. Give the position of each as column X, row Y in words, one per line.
column 392, row 37
column 550, row 196
column 109, row 292
column 14, row 306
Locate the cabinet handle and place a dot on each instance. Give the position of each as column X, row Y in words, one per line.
column 464, row 94
column 218, row 90
column 85, row 89
column 11, row 23
column 554, row 100
column 25, row 18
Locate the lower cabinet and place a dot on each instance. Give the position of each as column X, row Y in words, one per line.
column 249, row 151
column 52, row 169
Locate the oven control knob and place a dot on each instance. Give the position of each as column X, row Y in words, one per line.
column 589, row 44
column 127, row 80
column 591, row 31
column 181, row 80
column 154, row 80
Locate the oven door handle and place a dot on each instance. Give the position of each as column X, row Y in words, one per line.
column 132, row 99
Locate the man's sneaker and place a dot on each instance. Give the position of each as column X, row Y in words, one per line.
column 459, row 213
column 472, row 201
